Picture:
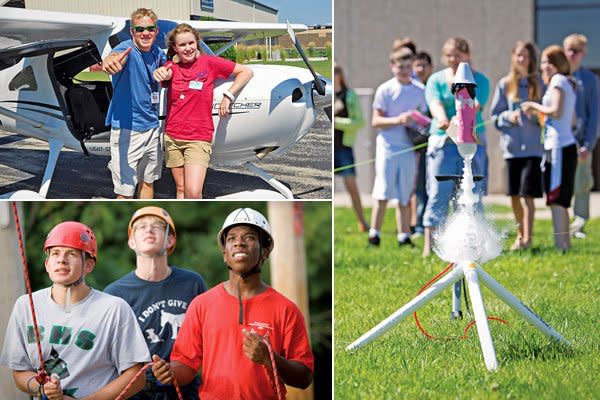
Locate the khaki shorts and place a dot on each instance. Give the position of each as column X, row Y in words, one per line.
column 181, row 152
column 134, row 156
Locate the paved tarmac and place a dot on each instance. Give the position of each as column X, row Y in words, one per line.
column 305, row 169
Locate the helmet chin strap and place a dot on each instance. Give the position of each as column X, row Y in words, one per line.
column 244, row 276
column 73, row 284
column 254, row 270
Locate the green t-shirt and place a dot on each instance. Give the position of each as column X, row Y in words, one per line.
column 437, row 88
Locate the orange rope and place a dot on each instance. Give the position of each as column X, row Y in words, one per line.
column 121, row 395
column 277, row 385
column 469, row 326
column 42, row 376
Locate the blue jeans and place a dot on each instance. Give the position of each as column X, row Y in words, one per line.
column 421, row 190
column 447, row 161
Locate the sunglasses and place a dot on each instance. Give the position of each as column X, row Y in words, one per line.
column 140, row 29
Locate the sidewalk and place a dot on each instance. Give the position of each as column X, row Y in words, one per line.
column 342, row 199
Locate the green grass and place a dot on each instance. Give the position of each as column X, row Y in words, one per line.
column 88, row 76
column 321, row 67
column 494, row 208
column 372, row 283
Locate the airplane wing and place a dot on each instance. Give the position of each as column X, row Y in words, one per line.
column 21, row 26
column 12, row 55
column 242, row 30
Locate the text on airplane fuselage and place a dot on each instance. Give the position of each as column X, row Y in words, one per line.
column 250, row 105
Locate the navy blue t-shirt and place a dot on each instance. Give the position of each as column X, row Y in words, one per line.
column 160, row 308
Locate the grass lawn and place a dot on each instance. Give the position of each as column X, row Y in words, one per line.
column 321, row 67
column 372, row 283
column 92, row 76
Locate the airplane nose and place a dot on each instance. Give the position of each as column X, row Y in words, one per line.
column 328, row 86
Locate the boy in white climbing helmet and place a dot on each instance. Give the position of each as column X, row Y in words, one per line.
column 232, row 332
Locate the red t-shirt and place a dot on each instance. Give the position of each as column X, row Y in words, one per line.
column 211, row 337
column 190, row 97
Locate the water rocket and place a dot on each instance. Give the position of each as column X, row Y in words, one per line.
column 465, row 242
column 463, row 89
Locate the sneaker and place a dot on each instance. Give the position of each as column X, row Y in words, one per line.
column 405, row 242
column 416, row 232
column 374, row 241
column 577, row 226
column 579, row 235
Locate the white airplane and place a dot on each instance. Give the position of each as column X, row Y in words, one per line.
column 41, row 52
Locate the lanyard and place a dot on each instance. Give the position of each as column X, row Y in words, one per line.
column 153, row 85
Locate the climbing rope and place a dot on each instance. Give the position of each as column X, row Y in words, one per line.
column 121, row 395
column 42, row 376
column 277, row 385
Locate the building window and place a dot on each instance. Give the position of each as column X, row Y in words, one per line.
column 556, row 19
column 207, row 5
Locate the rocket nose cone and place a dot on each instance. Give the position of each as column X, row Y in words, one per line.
column 464, row 74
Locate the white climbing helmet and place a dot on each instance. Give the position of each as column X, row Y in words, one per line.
column 246, row 216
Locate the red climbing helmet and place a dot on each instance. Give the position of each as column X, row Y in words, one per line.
column 72, row 234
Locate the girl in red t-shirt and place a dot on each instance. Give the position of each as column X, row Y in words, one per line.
column 190, row 79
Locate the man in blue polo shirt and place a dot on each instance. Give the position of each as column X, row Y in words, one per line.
column 586, row 109
column 135, row 149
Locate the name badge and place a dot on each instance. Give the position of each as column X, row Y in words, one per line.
column 155, row 97
column 196, row 85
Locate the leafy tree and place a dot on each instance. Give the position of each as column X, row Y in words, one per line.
column 230, row 53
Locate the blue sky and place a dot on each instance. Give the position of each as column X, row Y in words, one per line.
column 308, row 12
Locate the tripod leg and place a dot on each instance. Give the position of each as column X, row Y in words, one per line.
column 410, row 307
column 483, row 328
column 456, row 311
column 519, row 307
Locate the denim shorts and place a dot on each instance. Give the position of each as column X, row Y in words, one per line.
column 343, row 157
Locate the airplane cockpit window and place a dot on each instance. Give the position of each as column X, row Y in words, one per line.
column 87, row 97
column 205, row 48
column 24, row 80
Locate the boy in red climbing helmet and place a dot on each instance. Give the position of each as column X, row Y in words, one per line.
column 234, row 332
column 91, row 344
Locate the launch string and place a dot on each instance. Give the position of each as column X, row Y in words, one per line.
column 397, row 153
column 469, row 326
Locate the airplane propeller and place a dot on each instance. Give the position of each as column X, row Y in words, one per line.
column 319, row 84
